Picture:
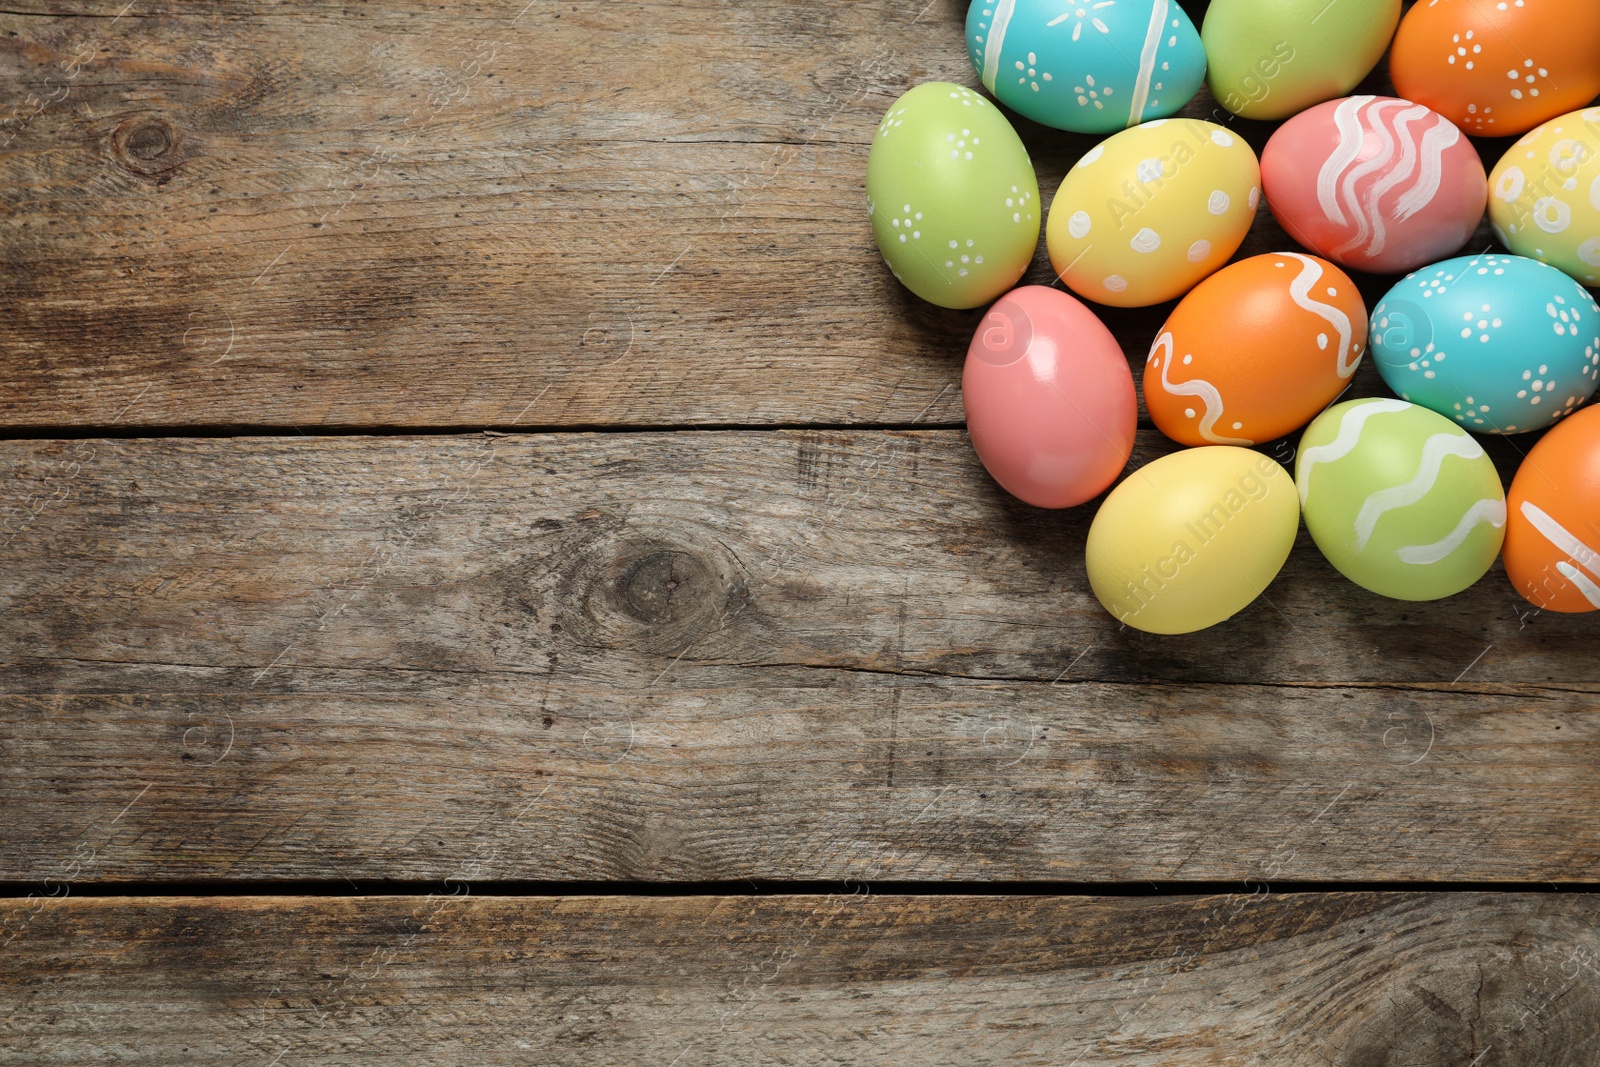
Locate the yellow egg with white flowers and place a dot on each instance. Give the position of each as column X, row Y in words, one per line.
column 1149, row 212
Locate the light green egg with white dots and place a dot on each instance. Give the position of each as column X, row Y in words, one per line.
column 952, row 196
column 1400, row 499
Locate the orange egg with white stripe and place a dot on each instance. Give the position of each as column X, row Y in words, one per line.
column 1255, row 351
column 1552, row 549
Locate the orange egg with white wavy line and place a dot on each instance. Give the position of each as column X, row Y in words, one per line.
column 1552, row 549
column 1255, row 351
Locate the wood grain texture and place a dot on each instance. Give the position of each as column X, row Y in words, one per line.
column 688, row 655
column 478, row 215
column 1347, row 979
column 716, row 655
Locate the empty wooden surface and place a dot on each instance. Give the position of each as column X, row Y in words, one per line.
column 513, row 214
column 725, row 595
column 719, row 655
column 585, row 215
column 1349, row 979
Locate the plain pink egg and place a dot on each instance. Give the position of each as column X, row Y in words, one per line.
column 1049, row 398
column 1374, row 183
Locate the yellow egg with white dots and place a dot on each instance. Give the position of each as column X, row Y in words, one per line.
column 1544, row 195
column 1150, row 211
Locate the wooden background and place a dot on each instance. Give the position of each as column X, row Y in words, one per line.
column 492, row 572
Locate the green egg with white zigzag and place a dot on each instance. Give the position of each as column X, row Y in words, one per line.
column 1400, row 499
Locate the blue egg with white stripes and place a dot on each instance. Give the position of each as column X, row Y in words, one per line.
column 1499, row 343
column 1090, row 66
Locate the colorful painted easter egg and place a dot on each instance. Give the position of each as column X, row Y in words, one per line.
column 1500, row 344
column 1271, row 58
column 1498, row 67
column 952, row 196
column 1049, row 399
column 1544, row 194
column 1148, row 212
column 1401, row 500
column 1374, row 183
column 1191, row 539
column 1552, row 550
column 1093, row 66
column 1255, row 351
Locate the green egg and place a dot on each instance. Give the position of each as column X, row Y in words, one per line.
column 952, row 196
column 1269, row 59
column 1400, row 499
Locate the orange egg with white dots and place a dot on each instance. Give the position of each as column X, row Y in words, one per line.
column 1552, row 549
column 1498, row 67
column 1255, row 351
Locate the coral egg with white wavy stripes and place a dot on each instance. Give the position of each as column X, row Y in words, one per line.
column 1375, row 183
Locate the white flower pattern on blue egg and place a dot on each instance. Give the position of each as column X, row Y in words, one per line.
column 1500, row 344
column 1030, row 71
column 1093, row 66
column 1081, row 14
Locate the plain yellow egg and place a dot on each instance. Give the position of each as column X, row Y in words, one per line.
column 1193, row 538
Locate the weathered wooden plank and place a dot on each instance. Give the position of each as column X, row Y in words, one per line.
column 713, row 655
column 452, row 216
column 612, row 555
column 591, row 214
column 144, row 774
column 1351, row 979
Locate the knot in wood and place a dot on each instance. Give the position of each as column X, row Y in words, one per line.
column 149, row 140
column 666, row 586
column 649, row 591
column 147, row 144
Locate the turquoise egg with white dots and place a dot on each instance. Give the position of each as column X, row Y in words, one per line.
column 952, row 196
column 1499, row 343
column 1090, row 66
